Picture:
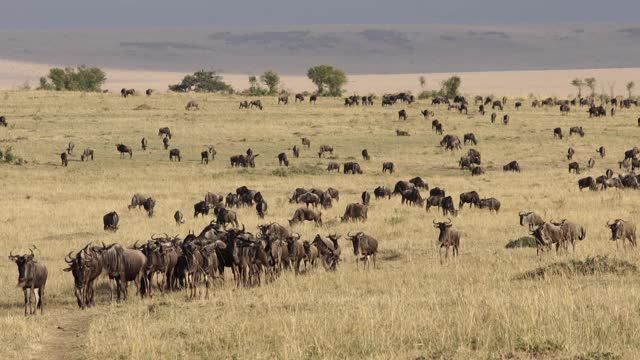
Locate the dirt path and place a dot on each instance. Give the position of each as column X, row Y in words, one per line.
column 66, row 337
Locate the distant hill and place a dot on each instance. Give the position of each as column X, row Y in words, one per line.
column 359, row 49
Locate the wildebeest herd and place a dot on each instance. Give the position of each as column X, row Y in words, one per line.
column 200, row 260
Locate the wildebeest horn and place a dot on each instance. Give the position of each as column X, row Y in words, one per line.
column 609, row 224
column 243, row 228
column 11, row 256
column 31, row 250
column 349, row 234
column 68, row 257
column 434, row 221
column 298, row 236
column 449, row 220
column 521, row 213
column 135, row 245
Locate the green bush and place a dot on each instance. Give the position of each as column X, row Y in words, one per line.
column 328, row 79
column 202, row 81
column 80, row 79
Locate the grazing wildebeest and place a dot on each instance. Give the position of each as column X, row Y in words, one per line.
column 364, row 247
column 575, row 167
column 365, row 155
column 261, row 209
column 448, row 207
column 70, row 148
column 165, row 131
column 401, row 186
column 32, row 277
column 436, row 191
column 178, row 217
column 572, row 232
column 304, row 214
column 591, row 163
column 434, row 201
column 505, row 119
column 402, row 115
column 225, row 216
column 493, row 117
column 481, row 110
column 419, row 183
column 165, row 142
column 126, row 92
column 512, row 166
column 296, row 151
column 64, row 158
column 547, row 235
column 3, row 121
column 623, row 230
column 434, row 124
column 137, row 201
column 564, row 109
column 313, row 98
column 470, row 137
column 471, row 198
column 174, row 154
column 149, row 92
column 557, row 133
column 447, row 238
column 491, row 203
column 204, row 157
column 439, row 129
column 282, row 159
column 476, row 170
column 587, row 182
column 192, row 105
column 309, row 198
column 602, row 151
column 149, row 205
column 124, row 149
column 299, row 97
column 570, row 153
column 496, row 104
column 426, row 113
column 86, row 154
column 366, row 197
column 531, row 219
column 381, row 192
column 351, row 168
column 110, row 221
column 629, row 181
column 402, row 133
column 333, row 166
column 325, row 148
column 518, row 105
column 387, row 166
column 576, row 130
column 451, row 142
column 306, row 142
column 284, row 99
column 244, row 104
column 144, row 144
column 412, row 197
column 200, row 208
column 354, row 212
column 256, row 103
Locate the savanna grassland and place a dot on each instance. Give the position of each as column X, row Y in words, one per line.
column 411, row 306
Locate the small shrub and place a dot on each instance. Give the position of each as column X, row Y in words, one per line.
column 589, row 266
column 523, row 242
column 142, row 107
column 538, row 349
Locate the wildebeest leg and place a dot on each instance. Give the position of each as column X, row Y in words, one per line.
column 41, row 300
column 36, row 300
column 26, row 299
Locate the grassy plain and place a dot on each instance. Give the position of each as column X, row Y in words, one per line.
column 410, row 307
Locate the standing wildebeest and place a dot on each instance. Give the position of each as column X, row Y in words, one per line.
column 304, row 214
column 366, row 197
column 149, row 205
column 299, row 97
column 491, row 203
column 481, row 109
column 402, row 115
column 256, row 103
column 309, row 198
column 122, row 266
column 471, row 198
column 512, row 166
column 174, row 154
column 351, row 168
column 576, row 130
column 284, row 99
column 434, row 124
column 496, row 104
column 575, row 167
column 313, row 98
column 296, row 151
column 387, row 166
column 447, row 238
column 200, row 208
column 192, row 105
column 178, row 217
column 426, row 113
column 381, row 192
column 333, row 166
column 547, row 235
column 165, row 131
column 149, row 92
column 587, row 182
column 518, row 105
column 86, row 154
column 436, row 191
column 531, row 219
column 126, row 92
column 32, row 277
column 144, row 144
column 244, row 104
column 591, row 163
column 204, row 157
column 564, row 109
column 225, row 216
column 494, row 116
column 412, row 197
column 354, row 212
column 505, row 119
column 623, row 230
column 572, row 232
column 137, row 201
column 110, row 221
column 470, row 137
column 602, row 151
column 401, row 186
column 476, row 170
column 557, row 133
column 570, row 153
column 402, row 133
column 306, row 142
column 165, row 142
column 261, row 208
column 451, row 142
column 3, row 121
column 365, row 155
column 70, row 148
column 325, row 148
column 448, row 206
column 365, row 246
column 282, row 159
column 419, row 183
column 124, row 149
column 64, row 158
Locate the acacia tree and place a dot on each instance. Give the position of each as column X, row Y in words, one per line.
column 271, row 79
column 630, row 86
column 422, row 80
column 328, row 79
column 579, row 84
column 591, row 84
column 202, row 81
column 451, row 86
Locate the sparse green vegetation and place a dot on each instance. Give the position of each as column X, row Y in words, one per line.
column 328, row 79
column 202, row 81
column 80, row 79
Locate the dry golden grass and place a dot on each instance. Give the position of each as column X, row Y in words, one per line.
column 410, row 307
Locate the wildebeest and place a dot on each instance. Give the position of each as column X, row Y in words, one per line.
column 299, row 97
column 304, row 214
column 244, row 104
column 629, row 181
column 401, row 186
column 426, row 113
column 200, row 208
column 165, row 131
column 225, row 216
column 547, row 235
column 447, row 238
column 178, row 217
column 243, row 160
column 149, row 205
column 351, row 168
column 354, row 212
column 165, row 142
column 3, row 121
column 70, row 148
column 496, row 104
column 261, row 209
column 471, row 138
column 144, row 144
column 512, row 166
column 439, row 129
column 433, row 200
column 481, row 109
column 451, row 142
column 402, row 133
column 333, row 166
column 576, row 130
column 366, row 197
column 518, row 104
column 572, row 233
column 491, row 203
column 86, row 267
column 402, row 115
column 86, row 154
column 564, row 109
column 204, row 157
column 570, row 153
column 284, row 99
column 505, row 119
column 436, row 191
column 575, row 167
column 531, row 219
column 110, row 221
column 419, row 183
column 313, row 98
column 174, row 154
column 309, row 198
column 587, row 182
column 64, row 158
column 325, row 148
column 381, row 192
column 126, row 92
column 597, row 111
column 557, row 133
column 32, row 277
column 256, row 103
column 494, row 116
column 364, row 246
column 306, row 142
column 448, row 207
column 387, row 166
column 412, row 197
column 365, row 155
column 149, row 92
column 124, row 149
column 591, row 163
column 122, row 266
column 192, row 105
column 296, row 151
column 602, row 151
column 137, row 200
column 471, row 198
column 282, row 159
column 623, row 230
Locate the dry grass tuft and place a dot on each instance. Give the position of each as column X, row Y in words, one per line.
column 598, row 265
